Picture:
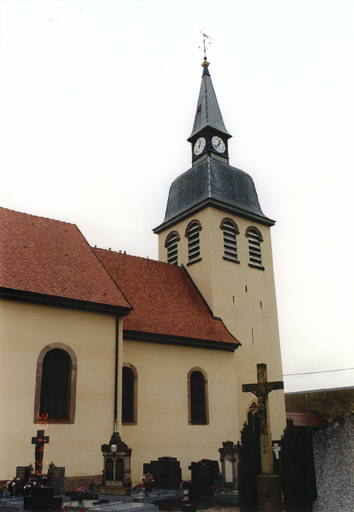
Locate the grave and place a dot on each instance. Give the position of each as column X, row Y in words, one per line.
column 205, row 477
column 42, row 499
column 166, row 472
column 229, row 457
column 56, row 478
column 116, row 467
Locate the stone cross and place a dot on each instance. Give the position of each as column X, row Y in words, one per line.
column 276, row 450
column 261, row 390
column 39, row 441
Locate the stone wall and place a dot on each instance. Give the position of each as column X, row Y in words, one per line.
column 329, row 403
column 334, row 461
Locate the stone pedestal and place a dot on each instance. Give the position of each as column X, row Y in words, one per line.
column 269, row 493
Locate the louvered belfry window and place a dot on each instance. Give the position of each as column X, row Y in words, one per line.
column 254, row 247
column 230, row 245
column 193, row 242
column 172, row 249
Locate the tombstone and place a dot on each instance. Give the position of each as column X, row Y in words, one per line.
column 205, row 473
column 229, row 457
column 57, row 480
column 116, row 467
column 166, row 472
column 22, row 473
column 43, row 500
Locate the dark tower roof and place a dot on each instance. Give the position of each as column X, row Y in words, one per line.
column 211, row 181
column 208, row 112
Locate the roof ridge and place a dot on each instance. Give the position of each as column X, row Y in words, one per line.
column 135, row 256
column 38, row 216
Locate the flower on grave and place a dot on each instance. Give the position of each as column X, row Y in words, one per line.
column 81, row 490
column 147, row 478
column 82, row 510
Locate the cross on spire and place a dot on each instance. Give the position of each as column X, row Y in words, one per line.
column 262, row 390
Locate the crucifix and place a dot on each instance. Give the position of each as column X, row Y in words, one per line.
column 261, row 390
column 39, row 441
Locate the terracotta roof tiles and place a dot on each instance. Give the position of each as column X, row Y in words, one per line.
column 163, row 298
column 52, row 258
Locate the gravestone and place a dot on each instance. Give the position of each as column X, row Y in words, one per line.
column 205, row 474
column 43, row 500
column 166, row 472
column 229, row 457
column 57, row 480
column 22, row 473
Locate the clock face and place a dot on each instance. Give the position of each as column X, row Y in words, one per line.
column 113, row 447
column 218, row 144
column 199, row 146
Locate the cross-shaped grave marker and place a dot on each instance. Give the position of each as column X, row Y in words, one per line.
column 261, row 390
column 39, row 441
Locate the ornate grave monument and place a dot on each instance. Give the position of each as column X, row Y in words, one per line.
column 116, row 467
column 268, row 484
column 229, row 457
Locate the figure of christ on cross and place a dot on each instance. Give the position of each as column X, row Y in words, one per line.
column 261, row 390
column 39, row 441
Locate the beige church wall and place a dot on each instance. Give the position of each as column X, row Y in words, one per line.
column 245, row 299
column 162, row 414
column 25, row 330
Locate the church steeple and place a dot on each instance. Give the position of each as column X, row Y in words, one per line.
column 209, row 134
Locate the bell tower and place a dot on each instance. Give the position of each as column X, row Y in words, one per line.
column 215, row 228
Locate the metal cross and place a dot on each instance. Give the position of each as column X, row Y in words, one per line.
column 39, row 441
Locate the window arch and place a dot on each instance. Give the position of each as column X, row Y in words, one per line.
column 230, row 230
column 172, row 250
column 192, row 233
column 254, row 247
column 55, row 396
column 198, row 409
column 129, row 394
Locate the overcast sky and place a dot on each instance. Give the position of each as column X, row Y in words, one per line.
column 98, row 99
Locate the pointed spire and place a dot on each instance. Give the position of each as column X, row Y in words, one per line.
column 208, row 112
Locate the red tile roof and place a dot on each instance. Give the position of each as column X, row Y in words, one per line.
column 52, row 258
column 164, row 299
column 305, row 418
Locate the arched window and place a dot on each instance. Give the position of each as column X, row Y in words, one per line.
column 55, row 396
column 192, row 233
column 172, row 249
column 129, row 395
column 55, row 388
column 119, row 469
column 254, row 247
column 109, row 469
column 230, row 230
column 197, row 397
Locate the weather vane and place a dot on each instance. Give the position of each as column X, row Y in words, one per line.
column 206, row 43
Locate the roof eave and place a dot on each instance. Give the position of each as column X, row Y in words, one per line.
column 63, row 302
column 219, row 206
column 179, row 340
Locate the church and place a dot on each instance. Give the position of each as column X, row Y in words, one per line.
column 95, row 342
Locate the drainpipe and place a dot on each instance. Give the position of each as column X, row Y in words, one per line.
column 118, row 374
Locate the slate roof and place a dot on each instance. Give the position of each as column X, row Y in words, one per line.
column 53, row 259
column 208, row 113
column 211, row 182
column 305, row 418
column 164, row 299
